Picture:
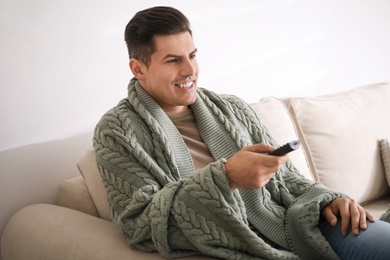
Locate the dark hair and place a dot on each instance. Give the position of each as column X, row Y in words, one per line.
column 159, row 20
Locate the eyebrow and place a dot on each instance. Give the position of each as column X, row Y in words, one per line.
column 178, row 56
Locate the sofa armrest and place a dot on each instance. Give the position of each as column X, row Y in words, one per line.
column 74, row 194
column 46, row 232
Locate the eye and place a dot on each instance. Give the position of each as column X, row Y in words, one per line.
column 172, row 60
column 193, row 56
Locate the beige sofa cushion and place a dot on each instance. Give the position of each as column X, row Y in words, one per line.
column 385, row 152
column 274, row 115
column 88, row 169
column 37, row 232
column 74, row 194
column 341, row 133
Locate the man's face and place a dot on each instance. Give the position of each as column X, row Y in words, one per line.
column 173, row 71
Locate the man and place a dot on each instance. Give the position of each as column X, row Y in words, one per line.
column 187, row 171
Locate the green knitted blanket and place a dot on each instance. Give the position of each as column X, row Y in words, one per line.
column 386, row 216
column 162, row 204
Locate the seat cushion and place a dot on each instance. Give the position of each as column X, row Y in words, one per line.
column 340, row 133
column 378, row 207
column 37, row 232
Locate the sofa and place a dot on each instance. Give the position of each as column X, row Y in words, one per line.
column 345, row 146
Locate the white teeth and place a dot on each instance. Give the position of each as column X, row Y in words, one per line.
column 185, row 85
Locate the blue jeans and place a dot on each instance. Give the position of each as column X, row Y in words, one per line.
column 373, row 243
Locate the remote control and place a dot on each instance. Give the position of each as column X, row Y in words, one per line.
column 291, row 146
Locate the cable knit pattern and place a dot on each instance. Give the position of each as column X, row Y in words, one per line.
column 162, row 204
column 386, row 216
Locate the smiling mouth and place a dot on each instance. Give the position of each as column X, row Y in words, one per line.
column 185, row 85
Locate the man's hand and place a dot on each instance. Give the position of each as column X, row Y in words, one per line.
column 252, row 168
column 350, row 212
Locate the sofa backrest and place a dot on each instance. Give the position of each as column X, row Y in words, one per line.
column 340, row 135
column 273, row 113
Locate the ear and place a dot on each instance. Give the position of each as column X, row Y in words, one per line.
column 138, row 68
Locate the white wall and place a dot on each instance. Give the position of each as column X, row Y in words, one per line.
column 64, row 63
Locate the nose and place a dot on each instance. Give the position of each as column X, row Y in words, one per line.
column 189, row 67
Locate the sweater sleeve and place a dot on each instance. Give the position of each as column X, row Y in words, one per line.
column 135, row 184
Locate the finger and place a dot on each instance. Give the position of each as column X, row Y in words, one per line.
column 363, row 219
column 345, row 218
column 364, row 216
column 274, row 161
column 264, row 179
column 269, row 161
column 369, row 216
column 259, row 148
column 329, row 216
column 271, row 164
column 356, row 220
